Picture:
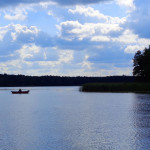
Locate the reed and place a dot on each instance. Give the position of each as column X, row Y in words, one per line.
column 116, row 87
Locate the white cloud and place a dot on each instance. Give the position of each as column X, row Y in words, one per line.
column 100, row 38
column 127, row 37
column 90, row 12
column 140, row 44
column 2, row 33
column 11, row 66
column 24, row 29
column 132, row 41
column 129, row 4
column 116, row 71
column 87, row 11
column 28, row 51
column 73, row 29
column 98, row 72
column 16, row 14
column 65, row 56
column 16, row 30
column 143, row 41
column 14, row 36
column 47, row 63
column 86, row 64
column 133, row 48
column 15, row 17
column 47, row 4
column 96, row 31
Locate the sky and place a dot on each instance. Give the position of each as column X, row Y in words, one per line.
column 72, row 37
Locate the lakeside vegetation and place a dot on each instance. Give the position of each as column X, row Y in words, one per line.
column 141, row 73
column 116, row 87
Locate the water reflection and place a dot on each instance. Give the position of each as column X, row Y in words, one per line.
column 141, row 120
column 62, row 118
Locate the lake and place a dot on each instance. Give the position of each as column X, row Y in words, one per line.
column 62, row 118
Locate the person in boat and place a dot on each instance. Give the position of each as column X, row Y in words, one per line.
column 20, row 90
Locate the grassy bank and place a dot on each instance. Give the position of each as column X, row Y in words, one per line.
column 116, row 87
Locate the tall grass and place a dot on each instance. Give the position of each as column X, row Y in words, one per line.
column 116, row 87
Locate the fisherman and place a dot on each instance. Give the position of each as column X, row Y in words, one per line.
column 19, row 90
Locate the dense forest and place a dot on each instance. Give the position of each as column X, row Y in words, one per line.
column 22, row 80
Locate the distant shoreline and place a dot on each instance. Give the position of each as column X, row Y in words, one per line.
column 116, row 87
column 26, row 81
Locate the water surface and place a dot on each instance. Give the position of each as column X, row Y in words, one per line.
column 62, row 118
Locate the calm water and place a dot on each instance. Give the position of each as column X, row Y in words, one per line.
column 62, row 118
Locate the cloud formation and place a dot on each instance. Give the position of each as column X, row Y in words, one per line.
column 72, row 40
column 15, row 36
column 90, row 12
column 16, row 14
column 129, row 4
column 74, row 30
column 139, row 20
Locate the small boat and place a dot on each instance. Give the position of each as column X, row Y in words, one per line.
column 20, row 92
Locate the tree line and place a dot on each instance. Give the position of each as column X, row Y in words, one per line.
column 22, row 80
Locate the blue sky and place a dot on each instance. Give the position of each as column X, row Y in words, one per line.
column 72, row 38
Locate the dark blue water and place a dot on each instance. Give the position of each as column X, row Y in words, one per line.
column 62, row 118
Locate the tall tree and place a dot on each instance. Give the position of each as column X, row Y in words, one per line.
column 141, row 64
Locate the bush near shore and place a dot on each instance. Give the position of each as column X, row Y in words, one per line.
column 116, row 87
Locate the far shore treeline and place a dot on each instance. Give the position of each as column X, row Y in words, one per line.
column 22, row 80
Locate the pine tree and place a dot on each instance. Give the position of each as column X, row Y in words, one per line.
column 141, row 64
